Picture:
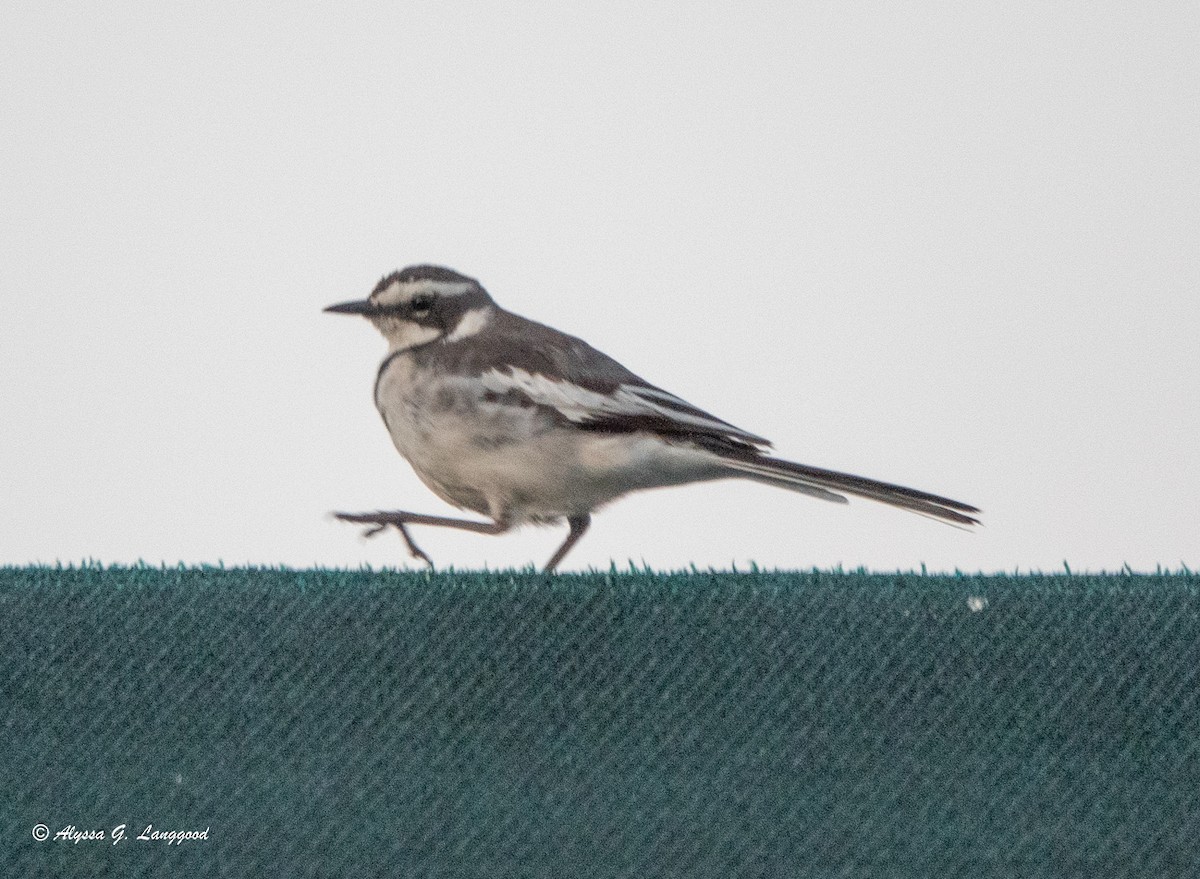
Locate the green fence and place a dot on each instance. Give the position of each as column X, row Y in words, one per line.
column 332, row 723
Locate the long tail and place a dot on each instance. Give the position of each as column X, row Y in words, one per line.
column 825, row 483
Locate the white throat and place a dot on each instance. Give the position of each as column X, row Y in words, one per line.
column 404, row 334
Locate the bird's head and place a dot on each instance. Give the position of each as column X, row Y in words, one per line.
column 423, row 304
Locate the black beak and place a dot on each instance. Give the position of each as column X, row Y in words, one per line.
column 360, row 306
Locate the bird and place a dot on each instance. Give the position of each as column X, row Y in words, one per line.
column 523, row 424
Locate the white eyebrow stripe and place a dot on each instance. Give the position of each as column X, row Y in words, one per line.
column 579, row 404
column 402, row 292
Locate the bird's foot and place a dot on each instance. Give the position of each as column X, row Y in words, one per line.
column 381, row 522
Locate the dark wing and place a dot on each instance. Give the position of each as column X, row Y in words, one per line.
column 588, row 388
column 585, row 386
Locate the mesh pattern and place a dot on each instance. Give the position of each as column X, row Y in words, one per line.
column 356, row 723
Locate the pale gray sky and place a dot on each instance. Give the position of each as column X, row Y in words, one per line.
column 949, row 245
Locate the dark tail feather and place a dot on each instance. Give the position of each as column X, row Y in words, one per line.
column 816, row 481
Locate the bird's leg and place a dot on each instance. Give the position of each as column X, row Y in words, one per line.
column 398, row 519
column 579, row 524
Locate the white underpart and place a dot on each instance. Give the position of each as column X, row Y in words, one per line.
column 404, row 334
column 401, row 292
column 579, row 404
column 471, row 323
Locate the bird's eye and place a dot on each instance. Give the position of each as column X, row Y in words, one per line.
column 421, row 303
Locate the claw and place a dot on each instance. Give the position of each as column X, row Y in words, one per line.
column 415, row 551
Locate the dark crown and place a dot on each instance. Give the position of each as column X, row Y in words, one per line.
column 423, row 273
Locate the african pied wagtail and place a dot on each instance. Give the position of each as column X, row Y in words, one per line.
column 521, row 423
